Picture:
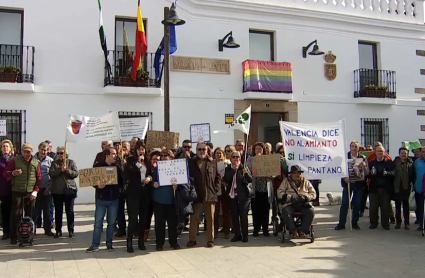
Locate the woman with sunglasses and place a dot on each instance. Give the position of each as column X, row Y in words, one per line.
column 64, row 190
column 164, row 208
column 228, row 151
column 237, row 178
column 138, row 174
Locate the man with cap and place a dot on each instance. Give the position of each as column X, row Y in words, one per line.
column 25, row 172
column 296, row 193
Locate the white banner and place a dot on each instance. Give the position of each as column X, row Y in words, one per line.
column 83, row 128
column 3, row 130
column 133, row 127
column 319, row 149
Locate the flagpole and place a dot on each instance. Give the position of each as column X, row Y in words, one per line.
column 166, row 67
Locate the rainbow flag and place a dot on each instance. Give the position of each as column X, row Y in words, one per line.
column 141, row 44
column 267, row 76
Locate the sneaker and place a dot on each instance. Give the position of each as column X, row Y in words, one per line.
column 109, row 247
column 339, row 227
column 92, row 249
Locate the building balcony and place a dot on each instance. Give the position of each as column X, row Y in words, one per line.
column 267, row 80
column 118, row 80
column 16, row 68
column 375, row 84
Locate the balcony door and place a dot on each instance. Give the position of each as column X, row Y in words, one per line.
column 11, row 38
column 368, row 64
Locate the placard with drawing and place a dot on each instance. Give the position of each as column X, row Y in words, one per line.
column 200, row 132
column 172, row 172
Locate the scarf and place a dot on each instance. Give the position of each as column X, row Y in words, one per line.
column 7, row 157
column 401, row 180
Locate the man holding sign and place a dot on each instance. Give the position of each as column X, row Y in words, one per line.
column 107, row 196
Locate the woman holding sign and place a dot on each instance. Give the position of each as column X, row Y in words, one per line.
column 139, row 194
column 164, row 208
column 260, row 204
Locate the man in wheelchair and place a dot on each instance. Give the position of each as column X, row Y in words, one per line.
column 295, row 194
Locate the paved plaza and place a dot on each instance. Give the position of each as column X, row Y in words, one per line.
column 364, row 253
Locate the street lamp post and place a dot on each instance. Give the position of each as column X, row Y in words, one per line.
column 166, row 72
column 170, row 18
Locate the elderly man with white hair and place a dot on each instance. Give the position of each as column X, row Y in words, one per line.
column 381, row 176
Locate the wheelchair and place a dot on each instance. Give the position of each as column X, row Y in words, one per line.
column 279, row 227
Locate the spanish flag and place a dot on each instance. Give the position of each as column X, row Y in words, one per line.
column 141, row 44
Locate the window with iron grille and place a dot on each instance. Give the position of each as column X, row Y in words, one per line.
column 374, row 130
column 15, row 127
column 127, row 114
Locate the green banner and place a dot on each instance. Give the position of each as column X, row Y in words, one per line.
column 412, row 145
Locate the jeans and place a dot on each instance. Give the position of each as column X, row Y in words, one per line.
column 59, row 200
column 356, row 201
column 39, row 215
column 110, row 208
column 42, row 206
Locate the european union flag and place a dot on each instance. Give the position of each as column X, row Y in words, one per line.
column 160, row 51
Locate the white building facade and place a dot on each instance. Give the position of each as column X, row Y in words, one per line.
column 377, row 44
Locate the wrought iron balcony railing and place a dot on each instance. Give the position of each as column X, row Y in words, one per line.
column 16, row 63
column 120, row 72
column 375, row 83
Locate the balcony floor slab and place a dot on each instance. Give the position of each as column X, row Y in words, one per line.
column 371, row 100
column 265, row 95
column 133, row 91
column 17, row 87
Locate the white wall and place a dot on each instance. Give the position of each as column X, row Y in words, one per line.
column 69, row 66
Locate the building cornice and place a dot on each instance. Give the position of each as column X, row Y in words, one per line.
column 269, row 16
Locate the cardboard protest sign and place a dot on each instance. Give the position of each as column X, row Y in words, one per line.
column 172, row 171
column 266, row 165
column 319, row 149
column 157, row 139
column 94, row 176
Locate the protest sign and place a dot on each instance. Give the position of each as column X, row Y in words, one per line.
column 133, row 127
column 83, row 128
column 157, row 139
column 172, row 172
column 319, row 149
column 354, row 171
column 200, row 132
column 95, row 176
column 266, row 165
column 3, row 129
